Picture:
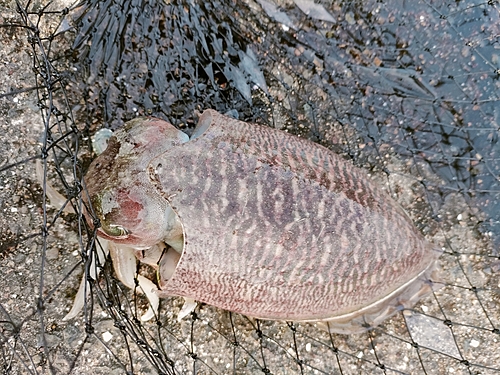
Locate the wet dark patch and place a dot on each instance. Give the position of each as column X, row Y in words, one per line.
column 154, row 58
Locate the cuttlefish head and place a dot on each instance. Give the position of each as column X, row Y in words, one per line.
column 119, row 192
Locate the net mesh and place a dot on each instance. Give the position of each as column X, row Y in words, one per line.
column 408, row 91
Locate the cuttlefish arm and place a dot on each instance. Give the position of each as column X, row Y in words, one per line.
column 125, row 266
column 188, row 307
column 84, row 289
column 56, row 199
column 165, row 258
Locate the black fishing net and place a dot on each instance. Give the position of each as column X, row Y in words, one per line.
column 407, row 90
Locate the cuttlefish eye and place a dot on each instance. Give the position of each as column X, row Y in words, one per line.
column 112, row 207
column 114, row 230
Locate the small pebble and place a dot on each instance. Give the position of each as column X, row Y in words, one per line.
column 474, row 343
column 349, row 17
column 107, row 336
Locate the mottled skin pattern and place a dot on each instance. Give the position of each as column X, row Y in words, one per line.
column 270, row 225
